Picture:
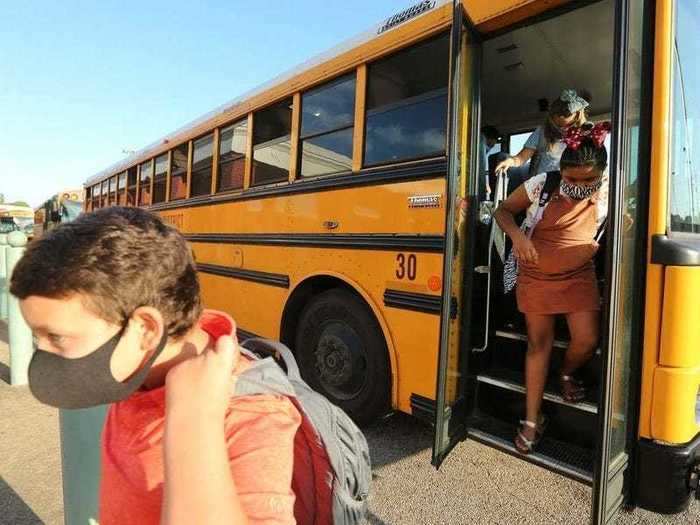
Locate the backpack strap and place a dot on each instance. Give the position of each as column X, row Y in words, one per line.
column 263, row 376
column 550, row 185
column 276, row 349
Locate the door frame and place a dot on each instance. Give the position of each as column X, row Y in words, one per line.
column 446, row 437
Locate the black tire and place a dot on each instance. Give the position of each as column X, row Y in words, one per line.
column 342, row 354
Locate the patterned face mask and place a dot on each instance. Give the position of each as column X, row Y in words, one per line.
column 579, row 192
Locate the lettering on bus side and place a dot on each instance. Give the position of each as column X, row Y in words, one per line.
column 406, row 14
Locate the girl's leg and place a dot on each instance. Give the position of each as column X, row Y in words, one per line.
column 540, row 335
column 584, row 328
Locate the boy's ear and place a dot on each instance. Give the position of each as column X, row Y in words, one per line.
column 150, row 325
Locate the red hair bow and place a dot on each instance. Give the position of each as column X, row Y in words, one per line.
column 597, row 133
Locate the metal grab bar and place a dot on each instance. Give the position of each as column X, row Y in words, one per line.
column 501, row 188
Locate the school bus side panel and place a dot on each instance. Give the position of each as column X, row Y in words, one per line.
column 380, row 269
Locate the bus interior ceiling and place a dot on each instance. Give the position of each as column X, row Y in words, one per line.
column 573, row 50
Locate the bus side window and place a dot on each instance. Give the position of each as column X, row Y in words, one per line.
column 178, row 172
column 202, row 158
column 327, row 124
column 272, row 143
column 160, row 178
column 232, row 148
column 407, row 104
column 146, row 170
column 131, row 187
column 121, row 189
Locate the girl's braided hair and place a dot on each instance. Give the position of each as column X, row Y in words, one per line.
column 585, row 146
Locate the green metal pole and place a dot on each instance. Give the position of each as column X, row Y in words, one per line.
column 81, row 432
column 20, row 334
column 3, row 276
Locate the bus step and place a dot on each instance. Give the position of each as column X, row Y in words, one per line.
column 563, row 458
column 514, row 381
column 516, row 336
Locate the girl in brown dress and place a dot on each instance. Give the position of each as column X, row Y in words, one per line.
column 556, row 275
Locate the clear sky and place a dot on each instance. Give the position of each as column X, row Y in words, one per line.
column 82, row 81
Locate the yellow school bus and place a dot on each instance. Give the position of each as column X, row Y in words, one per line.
column 337, row 209
column 64, row 206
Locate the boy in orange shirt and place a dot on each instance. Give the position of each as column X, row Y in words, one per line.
column 113, row 301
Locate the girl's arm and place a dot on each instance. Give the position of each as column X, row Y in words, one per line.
column 513, row 162
column 517, row 202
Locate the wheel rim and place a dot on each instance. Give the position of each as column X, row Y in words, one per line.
column 340, row 360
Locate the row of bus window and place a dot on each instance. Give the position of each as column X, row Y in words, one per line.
column 405, row 119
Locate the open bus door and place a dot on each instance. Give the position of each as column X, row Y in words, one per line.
column 612, row 469
column 463, row 118
column 618, row 406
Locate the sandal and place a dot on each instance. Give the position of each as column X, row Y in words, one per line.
column 572, row 390
column 525, row 445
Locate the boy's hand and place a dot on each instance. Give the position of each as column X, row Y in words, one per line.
column 200, row 388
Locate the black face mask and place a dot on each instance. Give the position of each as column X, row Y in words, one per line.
column 86, row 381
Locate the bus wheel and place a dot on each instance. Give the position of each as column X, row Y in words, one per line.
column 342, row 354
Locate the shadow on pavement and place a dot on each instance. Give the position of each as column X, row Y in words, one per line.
column 373, row 519
column 4, row 338
column 5, row 373
column 13, row 509
column 397, row 437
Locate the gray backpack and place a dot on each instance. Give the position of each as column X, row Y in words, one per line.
column 332, row 471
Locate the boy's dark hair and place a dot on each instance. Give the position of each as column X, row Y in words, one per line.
column 587, row 154
column 120, row 259
column 491, row 132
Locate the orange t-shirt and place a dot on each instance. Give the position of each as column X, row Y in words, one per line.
column 259, row 431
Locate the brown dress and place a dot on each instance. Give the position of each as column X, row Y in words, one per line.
column 564, row 279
